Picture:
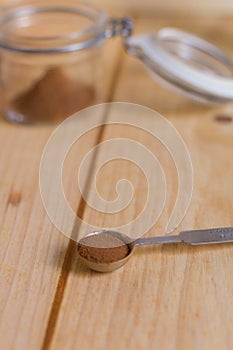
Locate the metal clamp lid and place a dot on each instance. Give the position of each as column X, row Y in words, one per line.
column 119, row 26
column 185, row 63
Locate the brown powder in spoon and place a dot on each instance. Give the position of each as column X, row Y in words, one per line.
column 102, row 248
column 53, row 98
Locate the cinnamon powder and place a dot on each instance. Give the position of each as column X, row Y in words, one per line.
column 102, row 248
column 53, row 98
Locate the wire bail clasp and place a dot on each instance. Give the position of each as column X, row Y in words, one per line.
column 119, row 26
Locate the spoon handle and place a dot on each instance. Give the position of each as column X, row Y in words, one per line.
column 208, row 236
column 194, row 237
column 158, row 240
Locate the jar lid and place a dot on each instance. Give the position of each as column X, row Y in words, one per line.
column 185, row 63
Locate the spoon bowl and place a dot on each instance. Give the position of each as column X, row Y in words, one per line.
column 105, row 267
column 108, row 266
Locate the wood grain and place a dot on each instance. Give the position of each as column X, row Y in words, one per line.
column 158, row 9
column 166, row 297
column 33, row 252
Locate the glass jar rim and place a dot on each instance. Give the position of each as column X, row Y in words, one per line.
column 13, row 18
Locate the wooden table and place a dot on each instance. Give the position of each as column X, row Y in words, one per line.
column 166, row 297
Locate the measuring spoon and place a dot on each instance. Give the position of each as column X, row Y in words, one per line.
column 194, row 237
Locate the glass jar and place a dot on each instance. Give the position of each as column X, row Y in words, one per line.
column 51, row 60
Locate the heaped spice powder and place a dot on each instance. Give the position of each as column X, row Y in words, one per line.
column 53, row 98
column 103, row 248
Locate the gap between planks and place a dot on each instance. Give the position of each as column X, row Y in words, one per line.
column 71, row 249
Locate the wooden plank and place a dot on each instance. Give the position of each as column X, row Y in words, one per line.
column 32, row 251
column 166, row 296
column 171, row 8
column 176, row 8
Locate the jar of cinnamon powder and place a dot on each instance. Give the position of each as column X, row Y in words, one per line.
column 51, row 60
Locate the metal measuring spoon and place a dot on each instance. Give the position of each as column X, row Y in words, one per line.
column 194, row 237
